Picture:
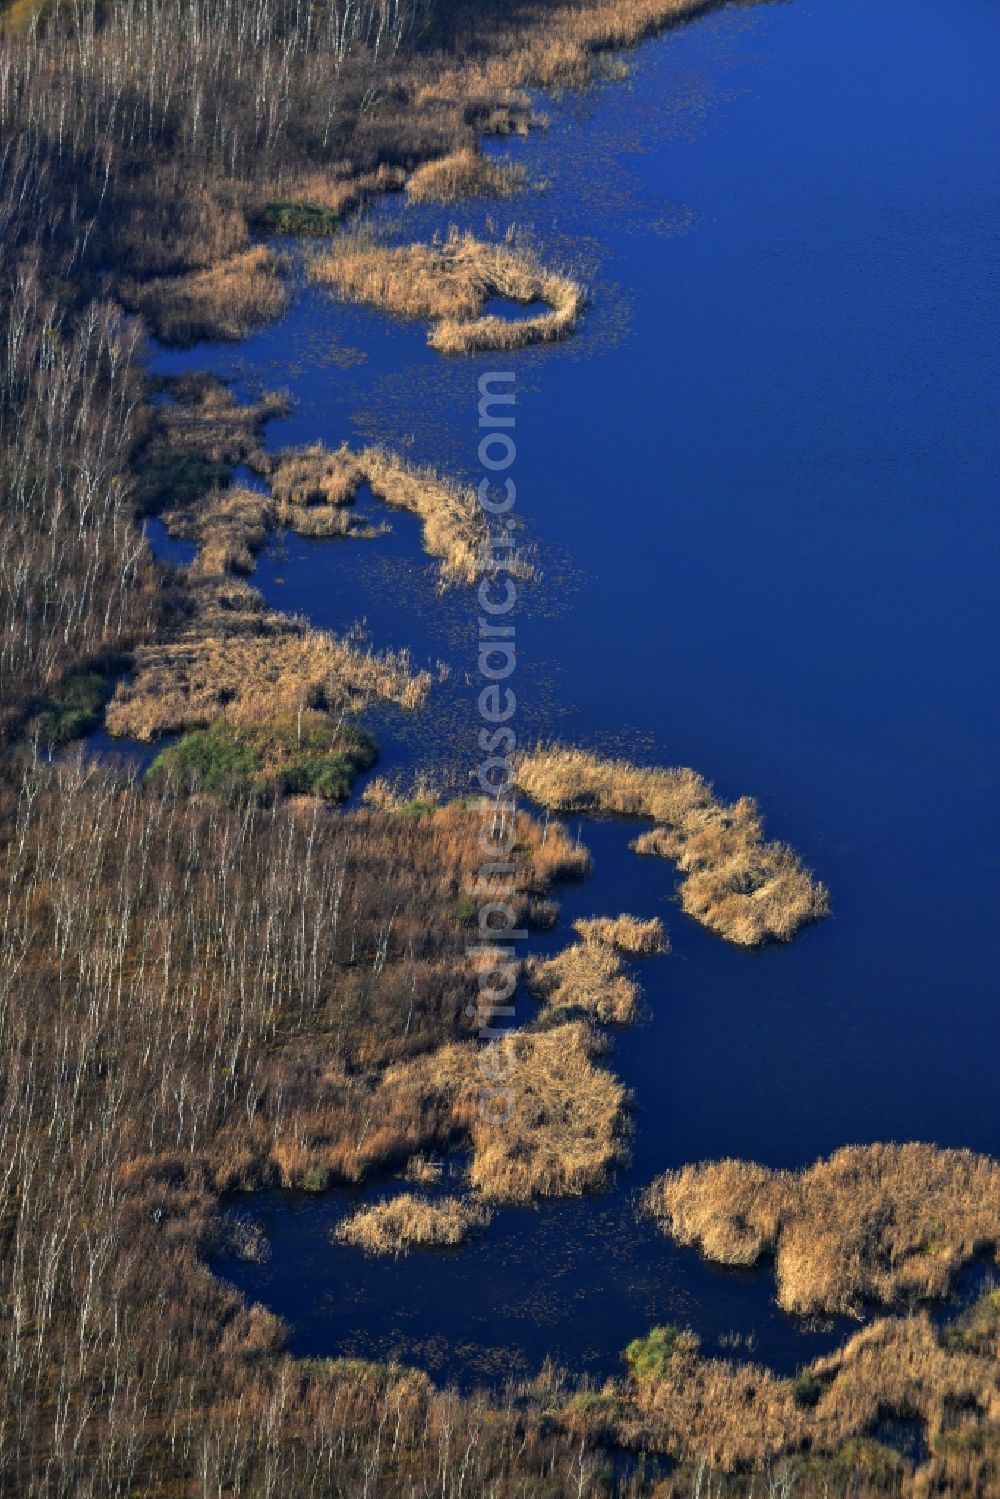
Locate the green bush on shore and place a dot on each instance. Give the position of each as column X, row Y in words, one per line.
column 313, row 758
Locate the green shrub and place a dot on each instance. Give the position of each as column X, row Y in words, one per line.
column 326, row 760
column 316, row 1178
column 862, row 1457
column 977, row 1329
column 76, row 708
column 466, row 909
column 417, row 808
column 176, row 477
column 307, row 757
column 213, row 760
column 649, row 1358
column 297, row 218
column 807, row 1387
column 329, row 776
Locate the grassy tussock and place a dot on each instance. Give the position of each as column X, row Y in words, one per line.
column 225, row 301
column 560, row 857
column 312, row 489
column 449, row 284
column 407, row 1222
column 625, row 934
column 587, row 977
column 423, row 1170
column 748, row 890
column 883, row 1223
column 309, row 477
column 464, row 174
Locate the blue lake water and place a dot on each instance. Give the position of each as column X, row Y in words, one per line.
column 761, row 483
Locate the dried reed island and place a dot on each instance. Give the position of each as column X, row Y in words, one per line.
column 589, row 977
column 885, row 1225
column 737, row 884
column 399, row 1224
column 449, row 284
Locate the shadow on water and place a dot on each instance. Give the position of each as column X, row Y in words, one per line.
column 166, row 548
column 514, row 312
column 132, row 753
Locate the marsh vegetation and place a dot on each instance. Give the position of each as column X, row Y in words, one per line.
column 197, row 437
column 588, row 977
column 449, row 285
column 399, row 1224
column 208, row 982
column 886, row 1224
column 464, row 174
column 734, row 882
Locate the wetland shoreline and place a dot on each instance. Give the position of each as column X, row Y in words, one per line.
column 222, row 983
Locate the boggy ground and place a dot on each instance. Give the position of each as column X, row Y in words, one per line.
column 738, row 885
column 200, row 433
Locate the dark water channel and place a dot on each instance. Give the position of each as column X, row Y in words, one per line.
column 762, row 486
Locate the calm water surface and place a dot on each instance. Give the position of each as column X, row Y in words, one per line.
column 761, row 484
